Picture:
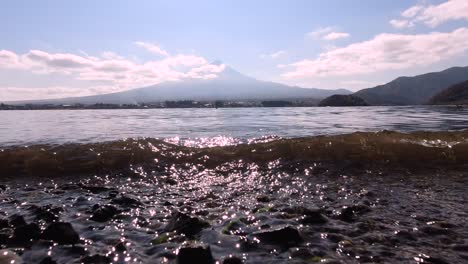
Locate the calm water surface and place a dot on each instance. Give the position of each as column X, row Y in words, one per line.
column 218, row 126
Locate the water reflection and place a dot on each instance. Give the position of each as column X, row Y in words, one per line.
column 219, row 126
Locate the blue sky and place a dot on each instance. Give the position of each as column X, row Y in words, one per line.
column 67, row 48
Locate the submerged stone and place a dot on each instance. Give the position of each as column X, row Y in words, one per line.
column 23, row 235
column 185, row 224
column 120, row 247
column 285, row 237
column 104, row 213
column 47, row 213
column 47, row 260
column 3, row 223
column 232, row 260
column 96, row 259
column 199, row 255
column 17, row 220
column 313, row 218
column 350, row 213
column 126, row 201
column 62, row 233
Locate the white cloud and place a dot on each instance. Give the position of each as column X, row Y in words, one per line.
column 274, row 55
column 153, row 48
column 320, row 32
column 109, row 55
column 336, row 35
column 53, row 92
column 412, row 11
column 433, row 15
column 382, row 53
column 327, row 33
column 401, row 23
column 109, row 71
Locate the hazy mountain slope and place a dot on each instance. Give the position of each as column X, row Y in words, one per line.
column 230, row 85
column 456, row 94
column 413, row 90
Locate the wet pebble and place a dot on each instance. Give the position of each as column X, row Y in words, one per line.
column 96, row 259
column 3, row 223
column 349, row 214
column 313, row 218
column 47, row 260
column 284, row 237
column 23, row 235
column 232, row 260
column 104, row 213
column 126, row 201
column 17, row 220
column 185, row 224
column 62, row 233
column 263, row 199
column 199, row 255
column 120, row 247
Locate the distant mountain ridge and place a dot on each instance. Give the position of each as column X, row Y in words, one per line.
column 229, row 85
column 456, row 94
column 413, row 90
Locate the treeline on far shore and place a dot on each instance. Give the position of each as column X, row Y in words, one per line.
column 166, row 104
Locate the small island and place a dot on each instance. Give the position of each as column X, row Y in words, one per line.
column 343, row 100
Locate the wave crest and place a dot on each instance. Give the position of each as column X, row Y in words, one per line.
column 357, row 150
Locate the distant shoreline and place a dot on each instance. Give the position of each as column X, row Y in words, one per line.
column 30, row 107
column 166, row 104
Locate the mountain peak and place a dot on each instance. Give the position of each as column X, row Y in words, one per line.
column 217, row 62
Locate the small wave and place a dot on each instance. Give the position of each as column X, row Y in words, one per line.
column 357, row 150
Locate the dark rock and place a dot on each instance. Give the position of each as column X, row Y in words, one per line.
column 5, row 234
column 120, row 247
column 460, row 248
column 433, row 230
column 47, row 213
column 199, row 255
column 3, row 223
column 104, row 213
column 285, row 237
column 232, row 260
column 62, row 233
column 167, row 203
column 17, row 220
column 76, row 251
column 96, row 259
column 335, row 237
column 303, row 253
column 314, row 218
column 2, row 187
column 405, row 235
column 350, row 214
column 126, row 201
column 185, row 224
column 47, row 260
column 233, row 228
column 95, row 189
column 263, row 199
column 23, row 235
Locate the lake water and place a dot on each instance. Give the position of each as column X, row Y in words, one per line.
column 225, row 126
column 385, row 197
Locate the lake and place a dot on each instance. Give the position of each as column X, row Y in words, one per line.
column 225, row 126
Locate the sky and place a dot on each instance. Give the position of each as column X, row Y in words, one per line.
column 54, row 48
